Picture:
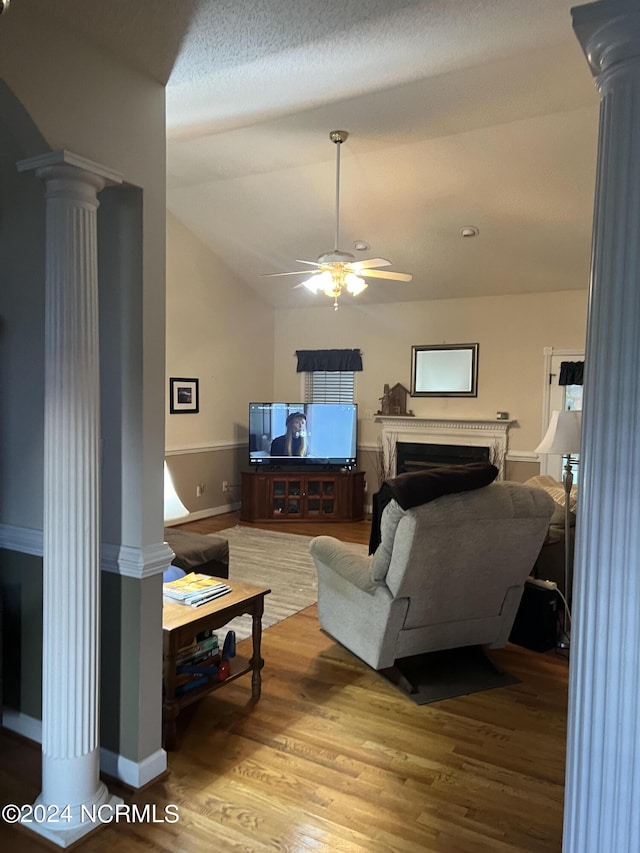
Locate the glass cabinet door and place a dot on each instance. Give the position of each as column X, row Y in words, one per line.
column 286, row 497
column 321, row 497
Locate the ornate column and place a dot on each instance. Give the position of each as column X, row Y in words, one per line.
column 603, row 750
column 71, row 566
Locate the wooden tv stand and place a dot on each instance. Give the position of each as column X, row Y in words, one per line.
column 311, row 495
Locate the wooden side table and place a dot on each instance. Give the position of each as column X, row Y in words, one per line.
column 181, row 623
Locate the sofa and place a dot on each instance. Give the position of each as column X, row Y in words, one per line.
column 446, row 573
column 550, row 562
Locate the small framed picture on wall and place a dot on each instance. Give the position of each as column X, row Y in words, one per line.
column 183, row 396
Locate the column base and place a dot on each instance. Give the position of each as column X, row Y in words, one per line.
column 68, row 826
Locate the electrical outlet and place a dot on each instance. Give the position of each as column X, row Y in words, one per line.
column 225, row 485
column 368, row 415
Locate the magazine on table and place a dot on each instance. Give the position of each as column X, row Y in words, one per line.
column 195, row 588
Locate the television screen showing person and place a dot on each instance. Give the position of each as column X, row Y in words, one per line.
column 294, row 440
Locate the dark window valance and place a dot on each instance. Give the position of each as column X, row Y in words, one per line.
column 571, row 373
column 311, row 360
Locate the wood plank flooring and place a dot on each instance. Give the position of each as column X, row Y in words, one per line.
column 355, row 531
column 332, row 758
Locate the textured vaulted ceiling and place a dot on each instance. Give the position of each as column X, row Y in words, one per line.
column 460, row 112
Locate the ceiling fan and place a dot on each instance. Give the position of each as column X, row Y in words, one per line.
column 337, row 270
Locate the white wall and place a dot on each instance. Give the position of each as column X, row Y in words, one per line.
column 218, row 331
column 512, row 332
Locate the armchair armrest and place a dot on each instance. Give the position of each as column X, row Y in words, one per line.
column 341, row 559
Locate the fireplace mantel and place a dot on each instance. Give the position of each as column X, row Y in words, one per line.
column 431, row 426
column 467, row 431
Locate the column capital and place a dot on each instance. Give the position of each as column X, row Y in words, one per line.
column 609, row 32
column 62, row 162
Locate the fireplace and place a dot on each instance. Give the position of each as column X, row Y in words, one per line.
column 416, row 456
column 448, row 441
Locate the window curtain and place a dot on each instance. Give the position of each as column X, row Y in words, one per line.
column 571, row 373
column 330, row 360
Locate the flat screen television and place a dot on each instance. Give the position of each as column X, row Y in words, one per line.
column 289, row 434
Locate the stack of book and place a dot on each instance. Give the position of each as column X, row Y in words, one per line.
column 197, row 662
column 195, row 589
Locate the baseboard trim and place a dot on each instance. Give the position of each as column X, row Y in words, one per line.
column 136, row 774
column 22, row 724
column 206, row 513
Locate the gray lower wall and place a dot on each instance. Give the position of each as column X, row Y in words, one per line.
column 211, row 467
column 128, row 665
column 21, row 590
column 123, row 600
column 519, row 472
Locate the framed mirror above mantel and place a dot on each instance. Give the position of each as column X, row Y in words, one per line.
column 444, row 370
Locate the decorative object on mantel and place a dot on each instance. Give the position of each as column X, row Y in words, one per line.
column 394, row 401
column 502, row 416
column 563, row 438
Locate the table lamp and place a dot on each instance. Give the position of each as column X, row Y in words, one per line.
column 174, row 509
column 562, row 438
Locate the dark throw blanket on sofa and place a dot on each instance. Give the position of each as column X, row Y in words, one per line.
column 420, row 487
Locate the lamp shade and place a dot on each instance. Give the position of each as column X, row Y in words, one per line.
column 174, row 509
column 563, row 434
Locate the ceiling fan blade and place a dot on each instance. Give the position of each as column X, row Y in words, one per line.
column 294, row 272
column 371, row 262
column 392, row 276
column 311, row 263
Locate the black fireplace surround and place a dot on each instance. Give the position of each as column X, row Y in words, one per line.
column 415, row 456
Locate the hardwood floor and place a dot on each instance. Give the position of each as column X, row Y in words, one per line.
column 333, row 758
column 354, row 531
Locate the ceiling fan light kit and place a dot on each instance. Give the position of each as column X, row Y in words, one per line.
column 332, row 281
column 338, row 271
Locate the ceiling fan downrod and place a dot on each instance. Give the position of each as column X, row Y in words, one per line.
column 338, row 136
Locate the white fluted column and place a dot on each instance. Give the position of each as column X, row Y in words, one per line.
column 603, row 750
column 71, row 566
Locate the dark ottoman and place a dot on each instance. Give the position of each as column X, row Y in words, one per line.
column 195, row 552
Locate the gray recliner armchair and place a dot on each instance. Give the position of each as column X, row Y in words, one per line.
column 447, row 573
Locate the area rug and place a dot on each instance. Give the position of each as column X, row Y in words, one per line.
column 280, row 561
column 434, row 676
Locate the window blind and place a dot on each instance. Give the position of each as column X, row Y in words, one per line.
column 322, row 386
